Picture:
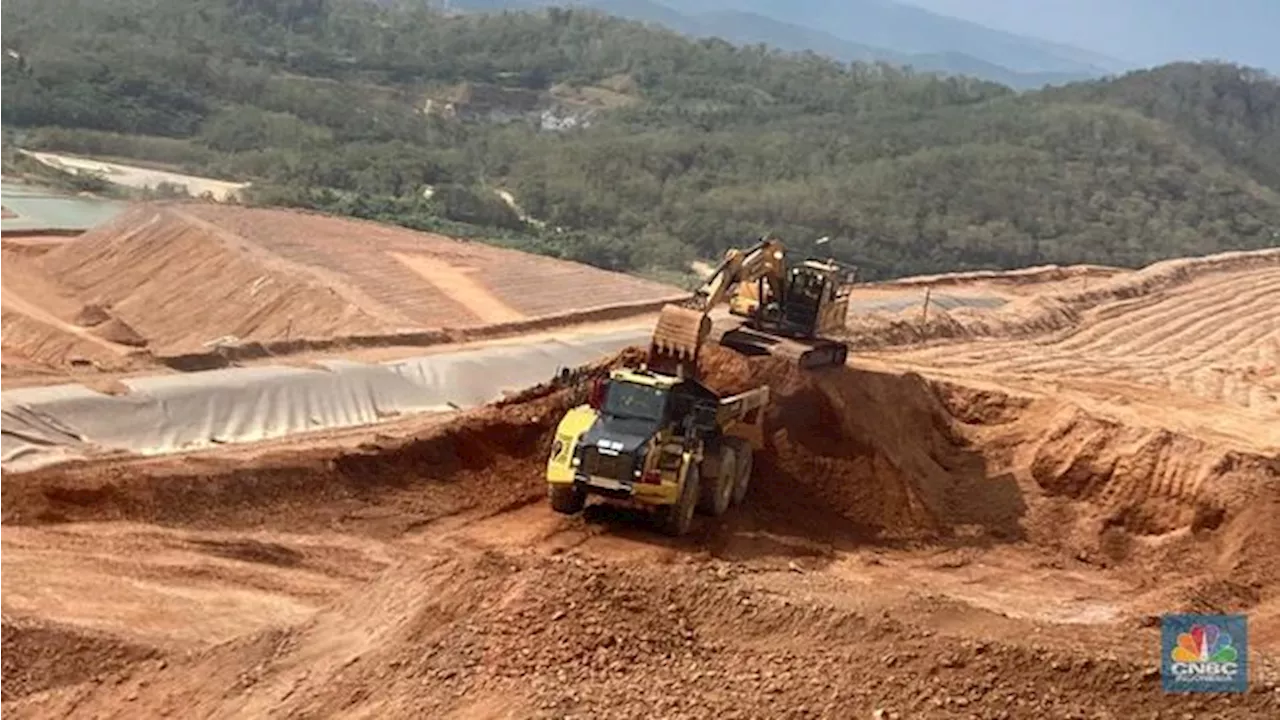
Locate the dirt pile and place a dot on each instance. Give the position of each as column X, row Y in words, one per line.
column 480, row 633
column 183, row 283
column 877, row 455
column 857, row 453
column 34, row 345
column 108, row 326
column 432, row 281
column 48, row 331
column 92, row 315
column 39, row 656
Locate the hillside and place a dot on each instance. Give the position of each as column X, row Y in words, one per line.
column 638, row 149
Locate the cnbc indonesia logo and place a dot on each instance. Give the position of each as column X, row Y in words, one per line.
column 1204, row 653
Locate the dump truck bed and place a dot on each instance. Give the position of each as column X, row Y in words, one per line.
column 737, row 407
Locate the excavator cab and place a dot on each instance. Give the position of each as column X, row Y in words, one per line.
column 815, row 303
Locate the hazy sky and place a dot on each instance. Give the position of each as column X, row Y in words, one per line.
column 1146, row 32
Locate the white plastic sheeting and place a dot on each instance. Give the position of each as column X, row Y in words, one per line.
column 171, row 413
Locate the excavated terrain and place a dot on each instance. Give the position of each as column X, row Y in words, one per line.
column 922, row 539
column 909, row 546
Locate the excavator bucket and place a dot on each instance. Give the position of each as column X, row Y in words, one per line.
column 678, row 337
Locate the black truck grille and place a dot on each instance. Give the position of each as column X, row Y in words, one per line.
column 617, row 467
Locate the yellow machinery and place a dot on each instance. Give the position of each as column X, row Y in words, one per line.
column 657, row 436
column 789, row 311
column 665, row 442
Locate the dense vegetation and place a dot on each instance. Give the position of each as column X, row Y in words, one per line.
column 321, row 104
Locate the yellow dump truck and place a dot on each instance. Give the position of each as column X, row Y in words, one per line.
column 661, row 441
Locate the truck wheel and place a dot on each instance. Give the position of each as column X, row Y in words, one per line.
column 678, row 519
column 717, row 489
column 566, row 499
column 726, row 481
column 745, row 465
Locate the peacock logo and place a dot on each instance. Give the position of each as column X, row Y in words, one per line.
column 1204, row 653
column 1206, row 643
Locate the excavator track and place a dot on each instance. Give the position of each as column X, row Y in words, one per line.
column 811, row 354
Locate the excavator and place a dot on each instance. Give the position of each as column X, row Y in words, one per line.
column 655, row 436
column 789, row 311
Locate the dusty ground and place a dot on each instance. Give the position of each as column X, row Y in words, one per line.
column 976, row 527
column 430, row 280
column 168, row 285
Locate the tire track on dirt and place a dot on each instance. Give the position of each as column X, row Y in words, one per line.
column 1216, row 339
column 1096, row 333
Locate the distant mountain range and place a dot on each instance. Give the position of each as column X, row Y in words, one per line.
column 855, row 30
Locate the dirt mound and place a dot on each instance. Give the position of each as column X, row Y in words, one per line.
column 1146, row 481
column 182, row 283
column 109, row 327
column 880, row 455
column 856, row 452
column 204, row 287
column 37, row 344
column 481, row 633
column 92, row 315
column 39, row 656
column 429, row 280
column 118, row 331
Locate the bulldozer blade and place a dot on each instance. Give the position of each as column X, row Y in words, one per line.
column 680, row 331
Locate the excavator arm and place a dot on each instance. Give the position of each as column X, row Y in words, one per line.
column 682, row 328
column 766, row 259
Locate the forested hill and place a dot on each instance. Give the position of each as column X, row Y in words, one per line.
column 635, row 148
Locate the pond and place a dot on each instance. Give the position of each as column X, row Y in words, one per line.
column 31, row 208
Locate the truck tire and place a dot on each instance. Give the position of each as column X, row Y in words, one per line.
column 566, row 499
column 678, row 519
column 745, row 465
column 717, row 485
